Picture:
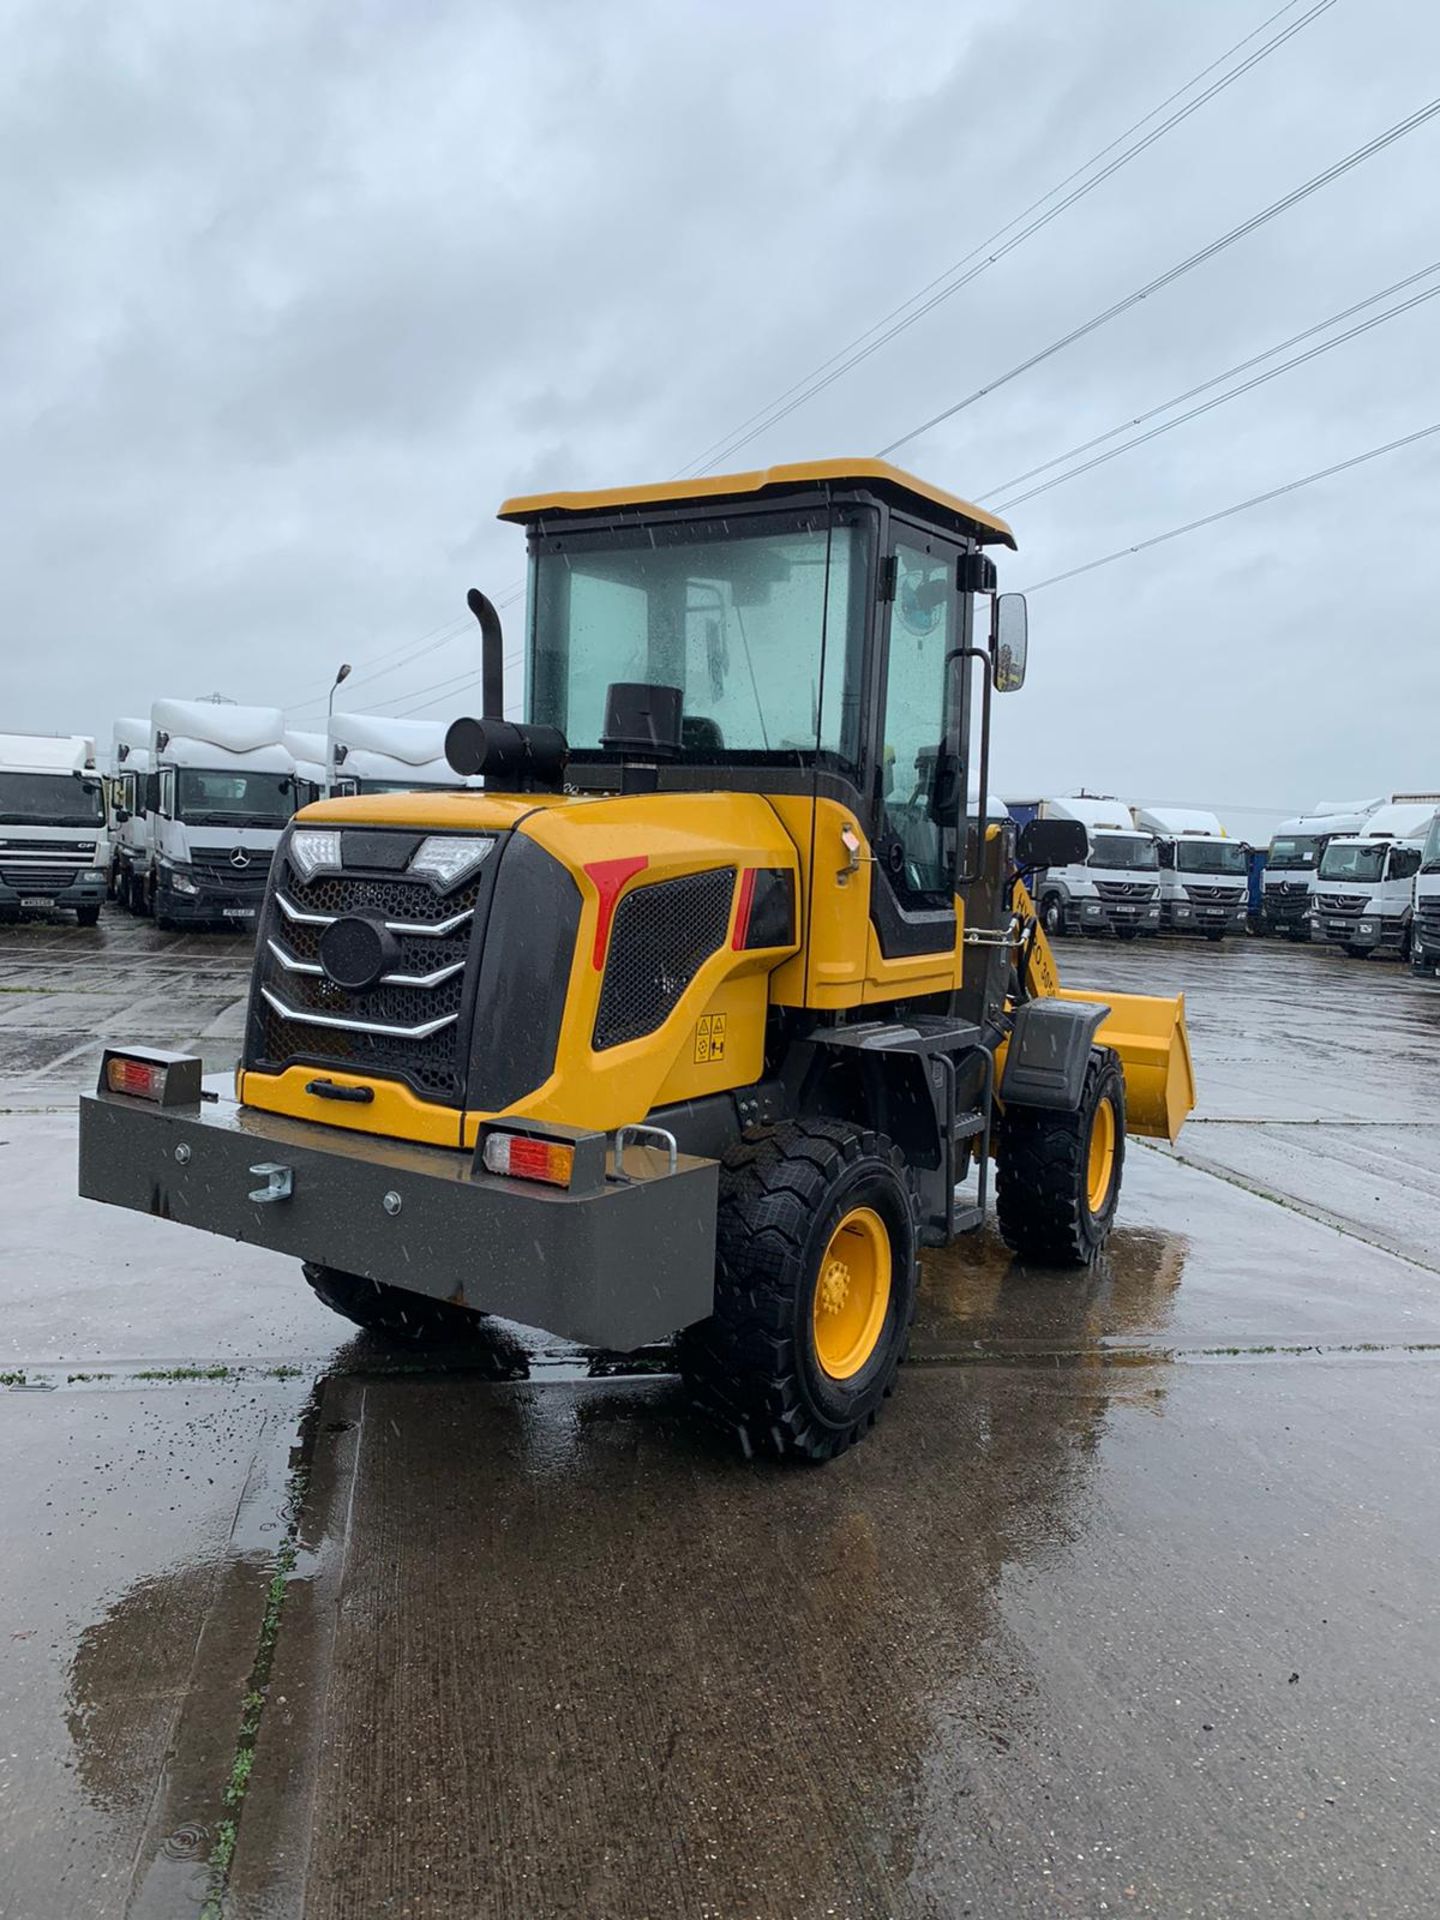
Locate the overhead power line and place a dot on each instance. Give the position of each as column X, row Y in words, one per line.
column 994, row 248
column 1240, row 506
column 1223, row 399
column 1179, row 399
column 1245, row 228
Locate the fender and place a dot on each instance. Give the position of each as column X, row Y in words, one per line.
column 1049, row 1052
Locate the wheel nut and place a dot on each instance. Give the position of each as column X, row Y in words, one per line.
column 391, row 1203
column 182, row 1154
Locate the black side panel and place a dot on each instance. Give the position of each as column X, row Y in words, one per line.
column 772, row 910
column 901, row 932
column 524, row 972
column 662, row 935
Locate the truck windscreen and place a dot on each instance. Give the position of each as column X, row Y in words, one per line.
column 50, row 800
column 206, row 797
column 1210, row 856
column 1430, row 858
column 1341, row 862
column 1293, row 851
column 1133, row 851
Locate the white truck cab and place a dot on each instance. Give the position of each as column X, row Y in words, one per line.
column 1294, row 857
column 1116, row 888
column 1425, row 907
column 225, row 786
column 1365, row 884
column 132, row 803
column 1204, row 874
column 54, row 844
column 371, row 753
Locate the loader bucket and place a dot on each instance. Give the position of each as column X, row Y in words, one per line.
column 1149, row 1035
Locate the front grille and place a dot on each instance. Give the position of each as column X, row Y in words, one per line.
column 1124, row 890
column 1339, row 903
column 214, row 871
column 39, row 879
column 1428, row 921
column 662, row 936
column 1217, row 896
column 82, row 851
column 424, row 1046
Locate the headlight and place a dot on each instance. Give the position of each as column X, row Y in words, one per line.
column 182, row 883
column 95, row 873
column 449, row 857
column 312, row 852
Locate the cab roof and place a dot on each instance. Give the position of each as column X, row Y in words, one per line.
column 877, row 476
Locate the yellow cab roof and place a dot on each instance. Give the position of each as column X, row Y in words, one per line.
column 878, row 476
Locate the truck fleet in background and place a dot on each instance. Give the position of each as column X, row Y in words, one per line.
column 184, row 823
column 1360, row 875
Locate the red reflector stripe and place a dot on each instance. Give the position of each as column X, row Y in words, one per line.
column 609, row 876
column 742, row 912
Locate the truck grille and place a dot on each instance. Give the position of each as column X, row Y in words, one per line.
column 1428, row 922
column 215, row 870
column 409, row 1026
column 1124, row 890
column 37, row 879
column 1340, row 903
column 48, row 866
column 1217, row 896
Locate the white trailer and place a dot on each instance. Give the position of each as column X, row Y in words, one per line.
column 1294, row 856
column 1116, row 888
column 225, row 787
column 372, row 753
column 1204, row 874
column 54, row 847
column 1364, row 894
column 310, row 752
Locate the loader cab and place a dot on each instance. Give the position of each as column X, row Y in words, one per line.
column 819, row 625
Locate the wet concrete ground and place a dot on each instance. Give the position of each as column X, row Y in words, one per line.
column 1128, row 1606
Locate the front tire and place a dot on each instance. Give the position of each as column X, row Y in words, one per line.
column 1052, row 916
column 1058, row 1174
column 403, row 1319
column 817, row 1244
column 87, row 916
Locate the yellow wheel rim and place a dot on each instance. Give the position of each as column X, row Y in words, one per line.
column 1101, row 1168
column 852, row 1293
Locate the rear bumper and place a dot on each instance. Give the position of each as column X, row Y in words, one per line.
column 616, row 1268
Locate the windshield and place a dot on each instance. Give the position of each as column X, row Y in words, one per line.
column 233, row 799
column 1352, row 862
column 757, row 619
column 1430, row 858
column 1210, row 856
column 1294, row 850
column 50, row 800
column 1134, row 851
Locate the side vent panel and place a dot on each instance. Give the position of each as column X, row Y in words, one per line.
column 663, row 934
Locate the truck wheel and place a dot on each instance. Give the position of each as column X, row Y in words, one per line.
column 1126, row 933
column 1058, row 1174
column 1215, row 936
column 87, row 916
column 1052, row 915
column 1356, row 952
column 405, row 1319
column 817, row 1240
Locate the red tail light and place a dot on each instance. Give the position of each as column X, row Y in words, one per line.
column 139, row 1077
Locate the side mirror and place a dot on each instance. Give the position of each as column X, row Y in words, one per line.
column 1009, row 642
column 122, row 814
column 1051, row 843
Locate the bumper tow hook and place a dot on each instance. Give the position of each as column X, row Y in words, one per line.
column 279, row 1182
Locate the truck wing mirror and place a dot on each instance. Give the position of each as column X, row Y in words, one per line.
column 1052, row 843
column 122, row 814
column 1009, row 642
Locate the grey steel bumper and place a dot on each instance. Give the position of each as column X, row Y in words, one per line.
column 84, row 893
column 618, row 1267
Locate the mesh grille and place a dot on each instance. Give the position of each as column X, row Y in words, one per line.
column 662, row 935
column 39, row 879
column 1125, row 890
column 433, row 1066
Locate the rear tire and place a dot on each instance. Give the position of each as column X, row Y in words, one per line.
column 817, row 1242
column 1058, row 1175
column 402, row 1318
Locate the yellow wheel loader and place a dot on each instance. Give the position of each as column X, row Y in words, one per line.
column 717, row 1000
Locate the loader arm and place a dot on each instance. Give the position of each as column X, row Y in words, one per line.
column 1147, row 1031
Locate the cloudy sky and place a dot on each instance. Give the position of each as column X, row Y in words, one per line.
column 296, row 293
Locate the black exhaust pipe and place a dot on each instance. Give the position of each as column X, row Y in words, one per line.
column 492, row 655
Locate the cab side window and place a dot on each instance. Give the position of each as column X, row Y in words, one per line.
column 920, row 726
